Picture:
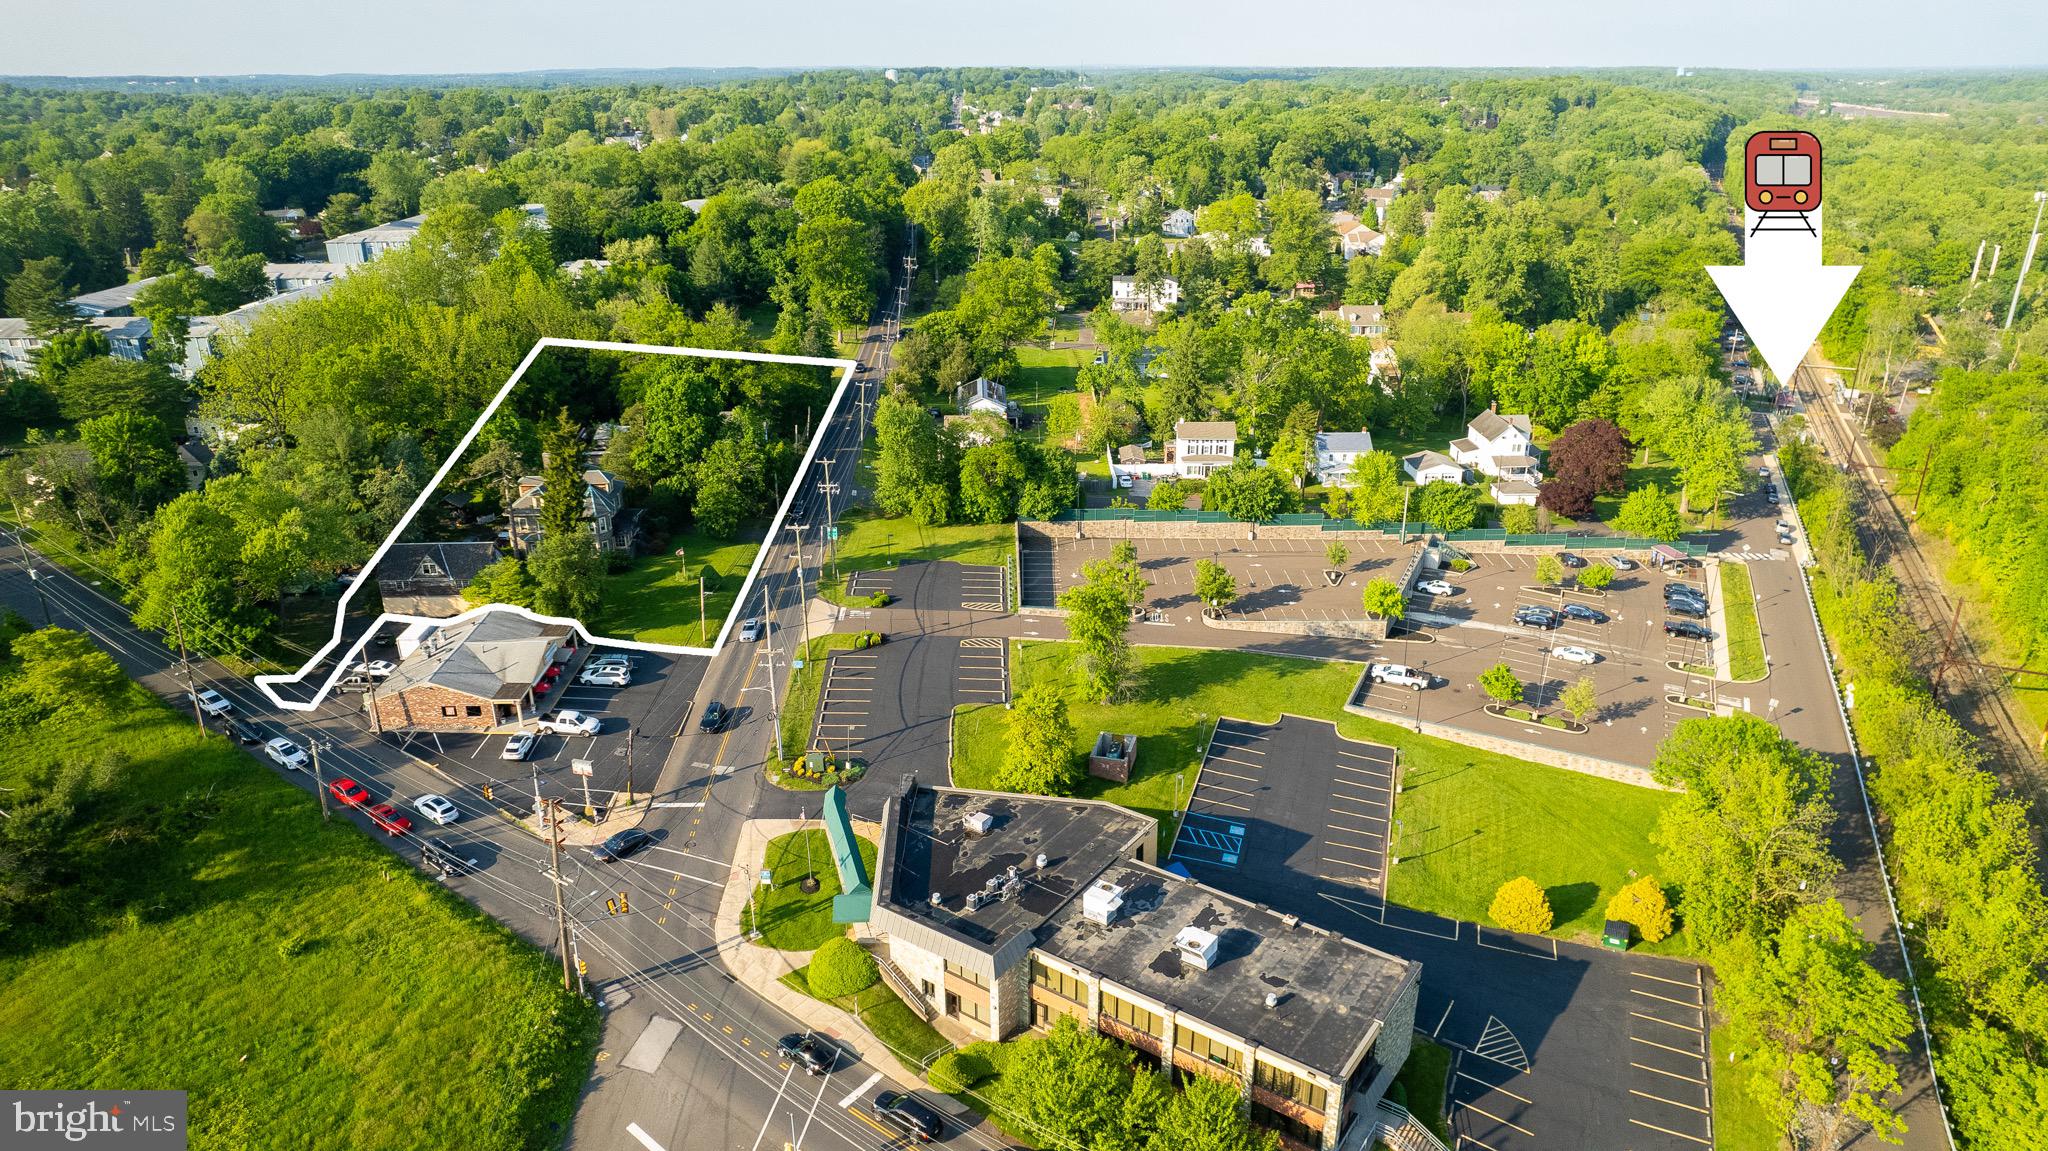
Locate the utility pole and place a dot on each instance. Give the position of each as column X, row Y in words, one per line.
column 554, row 833
column 319, row 784
column 185, row 669
column 2027, row 261
column 774, row 706
column 627, row 751
column 803, row 607
column 27, row 565
column 830, row 487
column 701, row 638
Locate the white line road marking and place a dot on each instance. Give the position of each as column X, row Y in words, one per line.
column 770, row 1117
column 854, row 1095
column 645, row 1139
column 676, row 803
column 1491, row 1087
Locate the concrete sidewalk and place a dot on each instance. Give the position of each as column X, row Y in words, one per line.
column 760, row 969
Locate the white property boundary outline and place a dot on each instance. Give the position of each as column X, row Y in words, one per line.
column 846, row 369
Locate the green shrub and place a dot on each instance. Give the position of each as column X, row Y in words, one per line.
column 1518, row 519
column 1522, row 906
column 958, row 1071
column 1596, row 576
column 1643, row 904
column 841, row 967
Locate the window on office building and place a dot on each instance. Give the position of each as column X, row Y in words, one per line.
column 1133, row 1016
column 1291, row 1086
column 1214, row 1050
column 974, row 977
column 1059, row 982
column 1294, row 1129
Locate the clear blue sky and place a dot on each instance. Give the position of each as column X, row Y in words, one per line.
column 210, row 37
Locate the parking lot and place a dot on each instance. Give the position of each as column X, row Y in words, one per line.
column 1636, row 665
column 893, row 704
column 937, row 586
column 1277, row 579
column 644, row 716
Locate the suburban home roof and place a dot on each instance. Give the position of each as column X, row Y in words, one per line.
column 457, row 561
column 1343, row 441
column 1423, row 461
column 1515, row 461
column 1205, row 430
column 1489, row 424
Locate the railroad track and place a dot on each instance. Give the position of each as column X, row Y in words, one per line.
column 1978, row 699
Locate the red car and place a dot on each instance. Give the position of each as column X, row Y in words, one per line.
column 388, row 817
column 349, row 792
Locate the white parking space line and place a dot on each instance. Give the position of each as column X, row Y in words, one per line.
column 854, row 1095
column 645, row 1139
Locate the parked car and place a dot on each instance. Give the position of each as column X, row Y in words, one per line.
column 606, row 675
column 444, row 858
column 393, row 821
column 1771, row 494
column 1435, row 587
column 1576, row 654
column 349, row 792
column 1622, row 563
column 285, row 753
column 238, row 731
column 714, row 717
column 377, row 668
column 519, row 745
column 909, row 1114
column 1696, row 609
column 438, row 809
column 814, row 1055
column 1784, row 536
column 1569, row 560
column 565, row 721
column 623, row 845
column 1687, row 629
column 1580, row 611
column 1400, row 675
column 214, row 703
column 610, row 659
column 1541, row 617
column 750, row 630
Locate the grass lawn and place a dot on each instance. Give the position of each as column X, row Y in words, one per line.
column 307, row 987
column 1435, row 438
column 899, row 1028
column 868, row 540
column 790, row 919
column 1470, row 819
column 1745, row 638
column 1739, row 1124
column 1043, row 374
column 800, row 709
column 1663, row 473
column 655, row 600
column 1421, row 1085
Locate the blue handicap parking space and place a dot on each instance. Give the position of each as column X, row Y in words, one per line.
column 1209, row 839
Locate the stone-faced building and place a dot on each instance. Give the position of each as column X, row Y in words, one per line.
column 476, row 675
column 427, row 579
column 1006, row 912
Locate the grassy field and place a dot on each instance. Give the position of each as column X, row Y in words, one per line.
column 1663, row 473
column 655, row 600
column 790, row 919
column 899, row 1028
column 1469, row 820
column 1421, row 1083
column 1745, row 638
column 1739, row 1124
column 307, row 987
column 1043, row 374
column 867, row 540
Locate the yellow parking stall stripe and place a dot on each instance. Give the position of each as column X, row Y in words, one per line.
column 1673, row 1102
column 1662, row 1047
column 1661, row 979
column 1499, row 1120
column 1668, row 1131
column 1665, row 1022
column 1672, row 1074
column 1663, row 999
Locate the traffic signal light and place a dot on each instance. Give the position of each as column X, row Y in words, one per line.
column 487, row 791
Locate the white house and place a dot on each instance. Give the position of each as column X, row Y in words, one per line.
column 1432, row 467
column 1379, row 198
column 1384, row 371
column 1126, row 295
column 1180, row 224
column 1364, row 320
column 1355, row 237
column 984, row 395
column 1335, row 452
column 1203, row 446
column 127, row 339
column 1499, row 446
column 370, row 243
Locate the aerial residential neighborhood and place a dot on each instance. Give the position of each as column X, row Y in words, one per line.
column 556, row 598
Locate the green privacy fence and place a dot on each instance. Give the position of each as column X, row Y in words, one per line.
column 1384, row 527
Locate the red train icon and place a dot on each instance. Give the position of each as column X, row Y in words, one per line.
column 1781, row 180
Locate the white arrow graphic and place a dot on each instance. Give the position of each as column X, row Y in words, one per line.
column 1781, row 293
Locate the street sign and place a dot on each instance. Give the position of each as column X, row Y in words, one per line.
column 581, row 767
column 832, row 533
column 768, row 876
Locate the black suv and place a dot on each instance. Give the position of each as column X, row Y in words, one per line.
column 908, row 1113
column 1685, row 606
column 714, row 717
column 1686, row 628
column 809, row 1052
column 1580, row 611
column 1569, row 560
column 1541, row 617
column 623, row 845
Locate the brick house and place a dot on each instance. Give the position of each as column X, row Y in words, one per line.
column 475, row 675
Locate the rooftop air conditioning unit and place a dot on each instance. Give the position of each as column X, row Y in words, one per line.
column 974, row 900
column 978, row 823
column 1197, row 947
column 938, row 900
column 1101, row 902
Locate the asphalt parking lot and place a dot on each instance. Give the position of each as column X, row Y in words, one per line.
column 1277, row 579
column 1557, row 1044
column 645, row 715
column 1457, row 637
column 1292, row 796
column 940, row 586
column 892, row 705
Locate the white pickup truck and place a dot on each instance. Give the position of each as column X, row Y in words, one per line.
column 1400, row 675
